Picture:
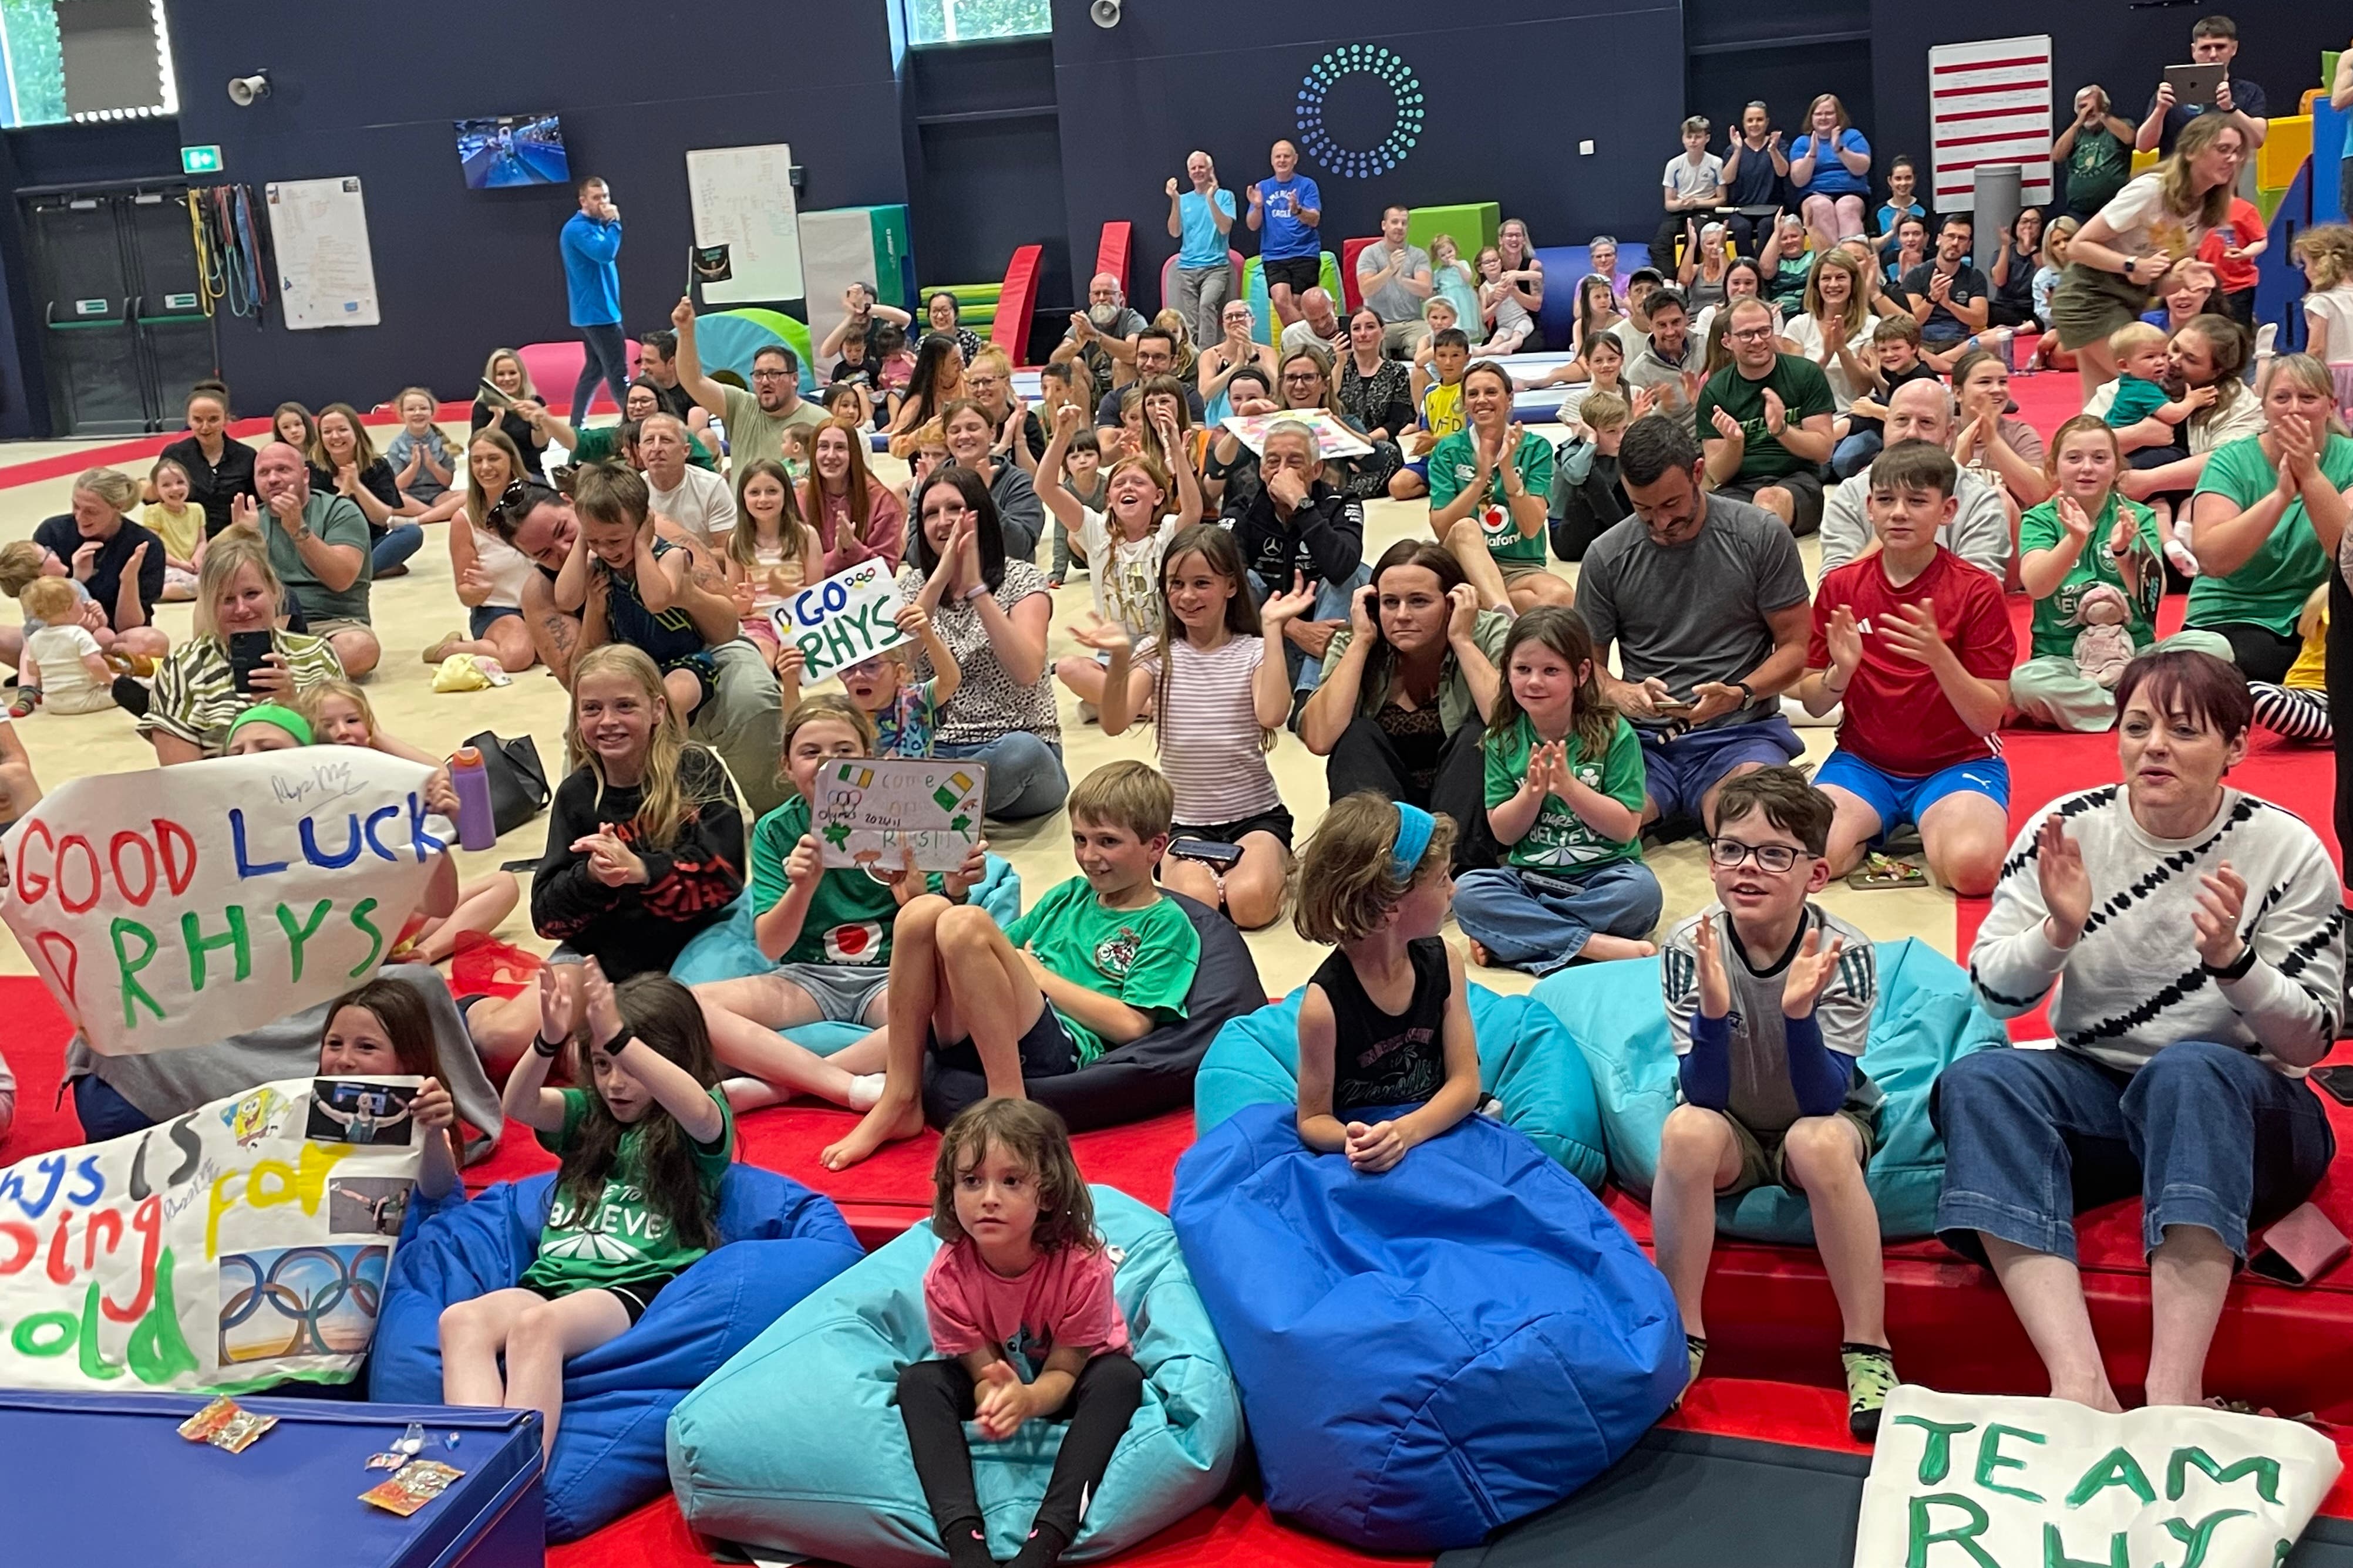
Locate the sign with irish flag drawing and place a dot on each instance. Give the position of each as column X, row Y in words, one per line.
column 871, row 811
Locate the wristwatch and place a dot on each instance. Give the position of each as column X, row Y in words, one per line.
column 1746, row 691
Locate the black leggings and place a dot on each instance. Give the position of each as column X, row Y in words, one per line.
column 935, row 1399
column 1366, row 758
column 2261, row 653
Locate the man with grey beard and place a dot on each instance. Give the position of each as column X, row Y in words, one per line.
column 1103, row 337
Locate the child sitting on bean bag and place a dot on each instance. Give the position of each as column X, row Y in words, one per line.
column 1020, row 1301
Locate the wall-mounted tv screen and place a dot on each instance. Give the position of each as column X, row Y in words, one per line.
column 503, row 150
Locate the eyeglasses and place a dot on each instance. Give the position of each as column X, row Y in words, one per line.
column 1749, row 334
column 770, row 375
column 1728, row 853
column 1304, row 378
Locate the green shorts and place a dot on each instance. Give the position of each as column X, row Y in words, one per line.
column 1514, row 570
column 1762, row 1164
column 2088, row 304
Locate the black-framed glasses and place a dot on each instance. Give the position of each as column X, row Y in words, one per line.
column 1728, row 854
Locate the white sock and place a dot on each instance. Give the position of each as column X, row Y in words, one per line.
column 865, row 1090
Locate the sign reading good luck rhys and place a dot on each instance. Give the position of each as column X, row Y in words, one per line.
column 1963, row 1481
column 182, row 905
column 243, row 1244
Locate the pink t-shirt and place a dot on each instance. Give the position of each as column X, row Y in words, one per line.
column 1064, row 1298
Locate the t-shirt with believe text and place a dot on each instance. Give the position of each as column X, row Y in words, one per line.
column 1898, row 717
column 1560, row 840
column 619, row 1240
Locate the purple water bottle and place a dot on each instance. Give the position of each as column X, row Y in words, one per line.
column 476, row 828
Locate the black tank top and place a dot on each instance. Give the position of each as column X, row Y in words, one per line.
column 1384, row 1059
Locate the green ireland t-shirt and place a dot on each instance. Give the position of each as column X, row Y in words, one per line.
column 849, row 915
column 619, row 1240
column 2269, row 591
column 1143, row 957
column 2055, row 626
column 1560, row 840
column 1454, row 466
column 1804, row 391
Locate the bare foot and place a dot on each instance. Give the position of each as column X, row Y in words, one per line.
column 1480, row 956
column 1601, row 947
column 887, row 1124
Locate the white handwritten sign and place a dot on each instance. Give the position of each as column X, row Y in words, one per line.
column 224, row 1249
column 842, row 620
column 1334, row 438
column 869, row 811
column 1962, row 1481
column 178, row 906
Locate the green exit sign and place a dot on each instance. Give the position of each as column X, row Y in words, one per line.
column 200, row 161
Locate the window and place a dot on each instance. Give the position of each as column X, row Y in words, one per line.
column 85, row 61
column 963, row 21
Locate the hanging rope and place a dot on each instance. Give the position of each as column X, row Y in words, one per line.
column 229, row 262
column 210, row 283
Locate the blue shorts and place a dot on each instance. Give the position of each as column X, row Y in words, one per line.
column 1047, row 1048
column 1898, row 800
column 479, row 618
column 1418, row 468
column 1680, row 771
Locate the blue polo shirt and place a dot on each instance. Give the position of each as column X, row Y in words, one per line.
column 1283, row 237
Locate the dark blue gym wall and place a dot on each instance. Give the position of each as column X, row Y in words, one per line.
column 1509, row 90
column 637, row 82
column 2122, row 45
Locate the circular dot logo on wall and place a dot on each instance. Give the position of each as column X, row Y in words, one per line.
column 1340, row 129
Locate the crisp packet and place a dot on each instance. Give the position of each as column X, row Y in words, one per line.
column 199, row 1427
column 416, row 1485
column 386, row 1461
column 238, row 1432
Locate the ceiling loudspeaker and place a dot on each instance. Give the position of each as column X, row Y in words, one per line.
column 245, row 91
column 1105, row 13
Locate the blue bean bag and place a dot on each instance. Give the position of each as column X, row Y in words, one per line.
column 1428, row 1353
column 782, row 1240
column 1525, row 1059
column 796, row 1443
column 1925, row 1021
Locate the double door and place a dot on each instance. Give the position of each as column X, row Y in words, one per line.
column 124, row 328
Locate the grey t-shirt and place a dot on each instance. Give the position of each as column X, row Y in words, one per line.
column 1393, row 302
column 1762, row 1099
column 1978, row 533
column 1695, row 612
column 338, row 521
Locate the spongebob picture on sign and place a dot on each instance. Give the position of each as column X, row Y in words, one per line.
column 870, row 812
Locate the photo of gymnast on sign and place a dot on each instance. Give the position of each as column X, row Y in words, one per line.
column 355, row 1110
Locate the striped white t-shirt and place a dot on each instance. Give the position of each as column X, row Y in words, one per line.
column 1208, row 734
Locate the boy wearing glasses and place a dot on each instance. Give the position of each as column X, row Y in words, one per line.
column 1769, row 999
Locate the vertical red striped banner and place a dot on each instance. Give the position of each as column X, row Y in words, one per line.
column 1990, row 103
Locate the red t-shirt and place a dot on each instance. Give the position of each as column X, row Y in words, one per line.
column 2245, row 226
column 1064, row 1298
column 1897, row 718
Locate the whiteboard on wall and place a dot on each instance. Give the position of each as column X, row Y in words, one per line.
column 742, row 199
column 1990, row 103
column 318, row 232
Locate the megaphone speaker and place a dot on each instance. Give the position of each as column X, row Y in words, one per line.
column 1104, row 12
column 244, row 90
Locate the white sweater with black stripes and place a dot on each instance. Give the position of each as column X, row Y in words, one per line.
column 2132, row 982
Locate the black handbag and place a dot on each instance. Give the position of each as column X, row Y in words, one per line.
column 518, row 782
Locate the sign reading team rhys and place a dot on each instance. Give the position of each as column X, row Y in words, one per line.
column 177, row 906
column 1979, row 1481
column 842, row 621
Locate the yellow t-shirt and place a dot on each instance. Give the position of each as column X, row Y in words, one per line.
column 2310, row 670
column 178, row 529
column 1442, row 409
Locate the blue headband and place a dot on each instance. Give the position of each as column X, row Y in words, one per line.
column 1414, row 827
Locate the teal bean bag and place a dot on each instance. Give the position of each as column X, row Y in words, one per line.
column 1924, row 1020
column 726, row 950
column 1525, row 1059
column 795, row 1444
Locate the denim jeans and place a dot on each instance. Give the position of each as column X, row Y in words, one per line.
column 2207, row 1134
column 1025, row 773
column 1331, row 604
column 395, row 544
column 1539, row 920
column 103, row 1113
column 1855, row 454
column 607, row 360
